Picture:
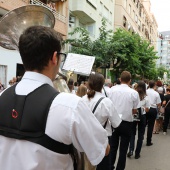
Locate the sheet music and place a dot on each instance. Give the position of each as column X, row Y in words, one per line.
column 80, row 64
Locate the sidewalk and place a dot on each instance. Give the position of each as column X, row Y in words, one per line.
column 155, row 157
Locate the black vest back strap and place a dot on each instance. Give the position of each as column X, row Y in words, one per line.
column 24, row 117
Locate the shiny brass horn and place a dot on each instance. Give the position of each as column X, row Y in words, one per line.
column 16, row 21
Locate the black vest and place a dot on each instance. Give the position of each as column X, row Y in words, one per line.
column 24, row 117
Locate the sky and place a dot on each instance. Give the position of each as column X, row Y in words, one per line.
column 161, row 11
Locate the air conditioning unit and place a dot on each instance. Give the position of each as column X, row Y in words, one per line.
column 71, row 19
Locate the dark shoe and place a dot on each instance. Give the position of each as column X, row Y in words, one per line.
column 130, row 154
column 137, row 156
column 149, row 144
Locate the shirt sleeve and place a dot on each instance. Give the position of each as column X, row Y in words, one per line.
column 158, row 99
column 107, row 110
column 147, row 103
column 87, row 134
column 136, row 100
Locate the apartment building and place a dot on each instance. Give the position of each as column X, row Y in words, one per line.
column 88, row 14
column 135, row 15
column 10, row 60
column 164, row 50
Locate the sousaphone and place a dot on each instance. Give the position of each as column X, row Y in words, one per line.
column 16, row 21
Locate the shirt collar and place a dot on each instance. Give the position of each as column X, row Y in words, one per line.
column 37, row 77
column 125, row 85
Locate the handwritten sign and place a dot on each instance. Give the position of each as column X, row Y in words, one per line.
column 79, row 64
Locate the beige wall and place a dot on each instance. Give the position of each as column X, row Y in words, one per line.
column 127, row 16
column 61, row 14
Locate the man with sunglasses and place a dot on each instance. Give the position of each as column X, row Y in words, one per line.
column 38, row 126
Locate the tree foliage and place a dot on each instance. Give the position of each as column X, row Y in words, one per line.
column 121, row 50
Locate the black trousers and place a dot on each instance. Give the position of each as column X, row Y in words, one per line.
column 141, row 130
column 120, row 139
column 150, row 120
column 166, row 119
column 105, row 163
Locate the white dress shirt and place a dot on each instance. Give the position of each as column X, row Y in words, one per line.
column 124, row 99
column 154, row 97
column 106, row 90
column 144, row 104
column 69, row 121
column 104, row 111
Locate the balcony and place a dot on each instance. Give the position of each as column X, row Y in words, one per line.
column 56, row 14
column 85, row 11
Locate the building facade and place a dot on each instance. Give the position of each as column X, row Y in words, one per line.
column 89, row 13
column 164, row 50
column 10, row 61
column 135, row 16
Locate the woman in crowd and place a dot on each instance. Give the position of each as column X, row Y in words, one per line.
column 166, row 104
column 81, row 91
column 102, row 108
column 143, row 107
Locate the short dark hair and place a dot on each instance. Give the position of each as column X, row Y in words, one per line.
column 125, row 76
column 95, row 83
column 151, row 84
column 37, row 45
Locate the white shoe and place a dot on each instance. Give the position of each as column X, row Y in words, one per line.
column 164, row 133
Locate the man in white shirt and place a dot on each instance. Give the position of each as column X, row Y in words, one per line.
column 68, row 120
column 155, row 102
column 125, row 101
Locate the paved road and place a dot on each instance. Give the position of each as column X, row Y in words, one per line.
column 155, row 157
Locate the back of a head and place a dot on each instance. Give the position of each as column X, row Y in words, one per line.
column 159, row 83
column 141, row 89
column 37, row 45
column 118, row 81
column 107, row 82
column 168, row 89
column 125, row 77
column 82, row 90
column 151, row 84
column 70, row 84
column 160, row 90
column 95, row 83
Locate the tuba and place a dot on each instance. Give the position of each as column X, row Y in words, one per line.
column 16, row 21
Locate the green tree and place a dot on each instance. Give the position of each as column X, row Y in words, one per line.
column 121, row 50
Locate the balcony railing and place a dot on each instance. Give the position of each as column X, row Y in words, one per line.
column 56, row 14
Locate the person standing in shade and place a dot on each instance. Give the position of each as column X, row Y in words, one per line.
column 166, row 103
column 155, row 103
column 103, row 109
column 143, row 107
column 125, row 100
column 40, row 126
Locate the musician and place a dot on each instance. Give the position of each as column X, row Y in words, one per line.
column 143, row 107
column 155, row 102
column 38, row 132
column 125, row 100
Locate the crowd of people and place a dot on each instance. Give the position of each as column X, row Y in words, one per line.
column 82, row 130
column 146, row 112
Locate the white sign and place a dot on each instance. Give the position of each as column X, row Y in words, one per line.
column 79, row 64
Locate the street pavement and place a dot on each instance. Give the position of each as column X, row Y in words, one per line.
column 155, row 157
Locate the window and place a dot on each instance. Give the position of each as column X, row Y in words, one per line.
column 136, row 19
column 91, row 30
column 100, row 8
column 106, row 13
column 124, row 21
column 129, row 10
column 3, row 74
column 139, row 25
column 124, row 3
column 134, row 15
